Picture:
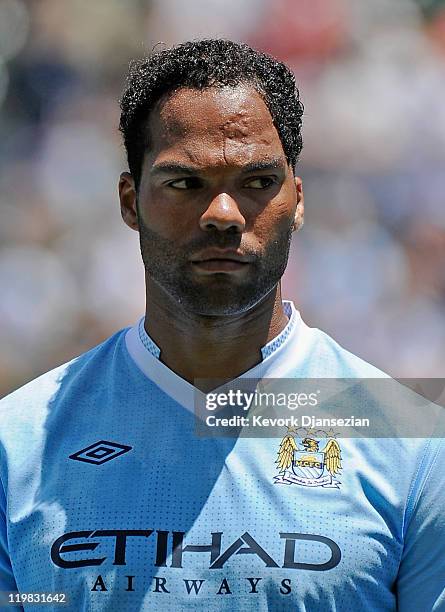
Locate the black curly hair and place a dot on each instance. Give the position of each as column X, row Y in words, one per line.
column 198, row 65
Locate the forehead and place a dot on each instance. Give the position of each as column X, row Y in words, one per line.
column 228, row 124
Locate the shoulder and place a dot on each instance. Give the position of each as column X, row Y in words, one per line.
column 26, row 402
column 325, row 357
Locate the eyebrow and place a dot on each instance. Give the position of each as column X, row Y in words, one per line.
column 174, row 168
column 267, row 164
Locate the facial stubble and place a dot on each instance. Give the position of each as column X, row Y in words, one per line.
column 219, row 294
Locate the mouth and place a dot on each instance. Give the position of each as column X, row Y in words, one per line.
column 220, row 265
column 220, row 261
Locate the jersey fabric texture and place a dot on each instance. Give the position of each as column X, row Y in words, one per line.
column 108, row 496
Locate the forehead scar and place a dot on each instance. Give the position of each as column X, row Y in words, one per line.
column 236, row 128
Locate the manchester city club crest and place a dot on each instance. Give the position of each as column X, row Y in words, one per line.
column 305, row 464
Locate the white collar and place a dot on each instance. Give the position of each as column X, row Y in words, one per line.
column 275, row 364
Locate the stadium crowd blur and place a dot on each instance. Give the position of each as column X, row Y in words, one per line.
column 369, row 265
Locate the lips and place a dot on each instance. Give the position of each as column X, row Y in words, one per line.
column 220, row 265
column 220, row 260
column 220, row 255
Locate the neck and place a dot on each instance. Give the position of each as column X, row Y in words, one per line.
column 212, row 349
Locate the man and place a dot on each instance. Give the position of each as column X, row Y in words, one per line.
column 108, row 496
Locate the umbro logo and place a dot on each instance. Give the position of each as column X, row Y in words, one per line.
column 100, row 452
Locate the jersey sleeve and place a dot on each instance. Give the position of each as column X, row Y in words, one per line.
column 421, row 579
column 7, row 580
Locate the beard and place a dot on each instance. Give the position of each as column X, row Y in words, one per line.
column 169, row 266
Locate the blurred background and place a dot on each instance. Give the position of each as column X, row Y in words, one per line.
column 369, row 265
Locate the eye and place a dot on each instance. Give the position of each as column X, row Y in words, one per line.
column 185, row 183
column 260, row 182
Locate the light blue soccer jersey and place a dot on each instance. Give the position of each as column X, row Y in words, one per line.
column 108, row 496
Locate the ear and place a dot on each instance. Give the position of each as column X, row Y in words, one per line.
column 127, row 197
column 299, row 211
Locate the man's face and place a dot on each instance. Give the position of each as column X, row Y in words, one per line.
column 217, row 201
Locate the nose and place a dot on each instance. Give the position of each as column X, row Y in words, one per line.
column 222, row 214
